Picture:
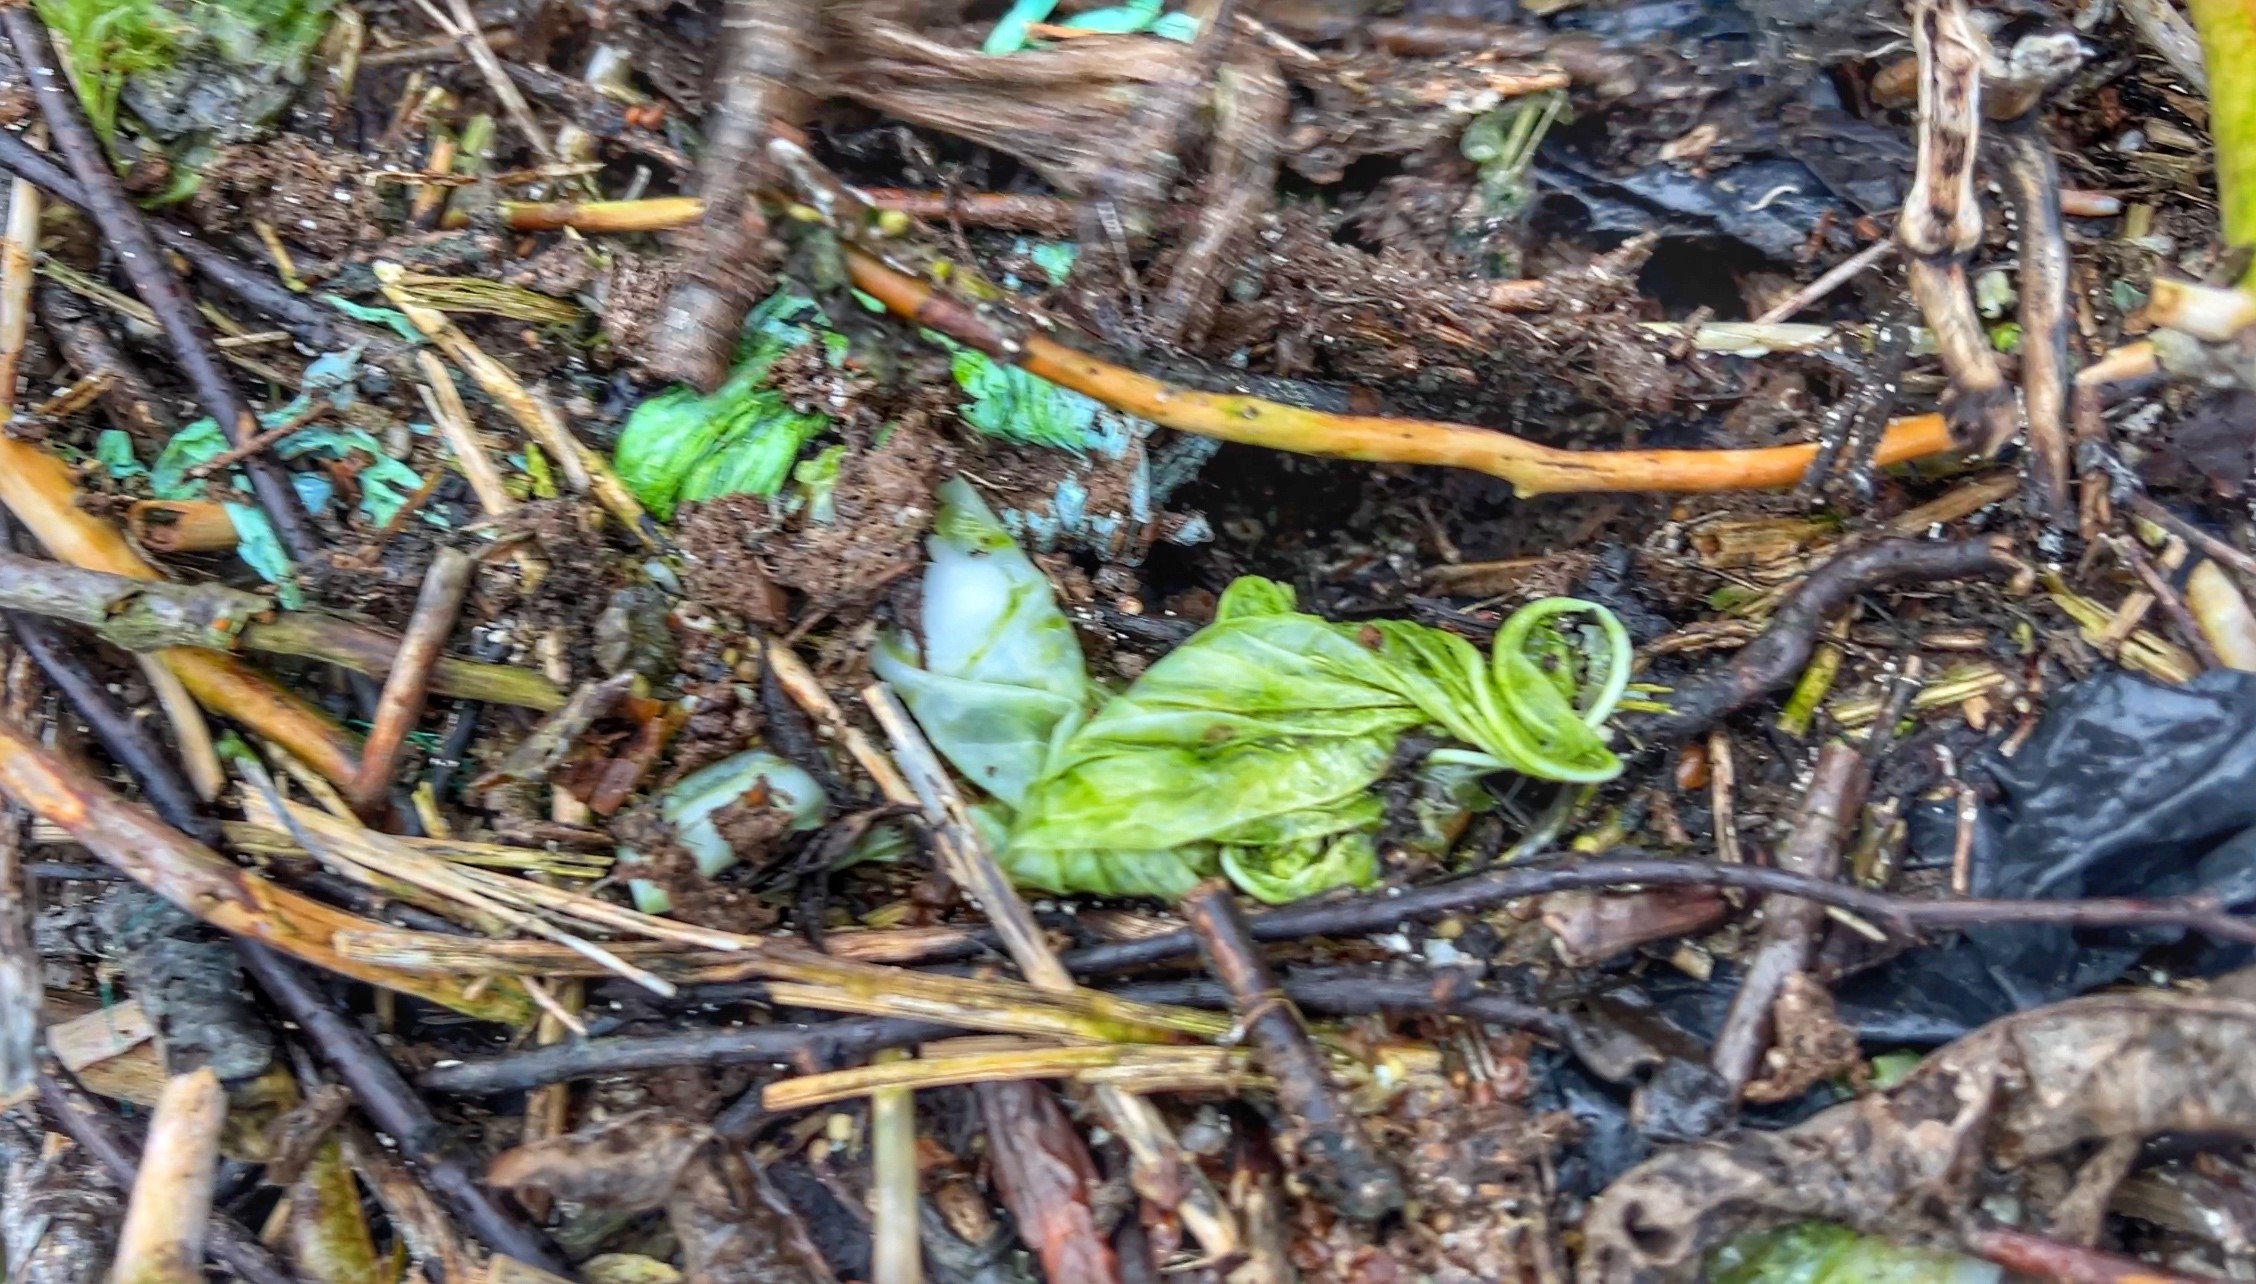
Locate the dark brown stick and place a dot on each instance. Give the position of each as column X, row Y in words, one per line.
column 827, row 1044
column 1790, row 925
column 1345, row 992
column 437, row 608
column 264, row 441
column 2040, row 1258
column 145, row 266
column 1381, row 912
column 393, row 1106
column 308, row 320
column 1772, row 661
column 92, row 1126
column 2048, row 364
column 1328, row 1138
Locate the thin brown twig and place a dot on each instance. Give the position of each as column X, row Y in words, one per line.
column 2173, row 605
column 1901, row 916
column 1777, row 657
column 1789, row 933
column 437, row 608
column 262, row 442
column 1834, row 278
column 2146, row 507
column 145, row 265
column 2037, row 1257
column 1332, row 1145
column 2048, row 360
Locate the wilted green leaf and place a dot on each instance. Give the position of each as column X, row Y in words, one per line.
column 1264, row 732
column 1009, row 403
column 1823, row 1253
column 1252, row 746
column 681, row 446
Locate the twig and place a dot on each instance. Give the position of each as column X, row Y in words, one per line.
column 128, row 741
column 1834, row 278
column 264, row 441
column 2037, row 1257
column 768, row 47
column 808, row 1046
column 22, row 976
column 2048, row 362
column 1329, row 1139
column 191, row 734
column 2173, row 605
column 124, row 391
column 584, row 469
column 1147, row 1069
column 1340, row 992
column 799, row 682
column 2146, row 507
column 145, row 266
column 317, row 326
column 1531, row 468
column 437, row 608
column 1045, row 1176
column 39, row 490
column 957, row 843
column 2167, row 32
column 1775, row 659
column 207, row 885
column 16, row 254
column 453, row 420
column 92, row 1126
column 1941, row 223
column 147, row 616
column 1899, row 915
column 162, row 1239
column 458, row 21
column 1789, row 933
column 395, row 1108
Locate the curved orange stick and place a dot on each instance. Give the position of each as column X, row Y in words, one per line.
column 1532, row 469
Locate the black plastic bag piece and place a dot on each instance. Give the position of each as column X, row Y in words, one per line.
column 2128, row 788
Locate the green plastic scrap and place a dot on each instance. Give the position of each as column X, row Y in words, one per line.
column 385, row 483
column 1010, row 34
column 1251, row 748
column 682, row 446
column 1823, row 1253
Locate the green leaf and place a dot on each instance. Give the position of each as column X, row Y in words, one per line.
column 681, row 445
column 1252, row 747
column 1823, row 1253
column 1262, row 735
column 1009, row 403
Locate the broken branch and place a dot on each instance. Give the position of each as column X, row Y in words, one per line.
column 437, row 607
column 162, row 1240
column 1331, row 1144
